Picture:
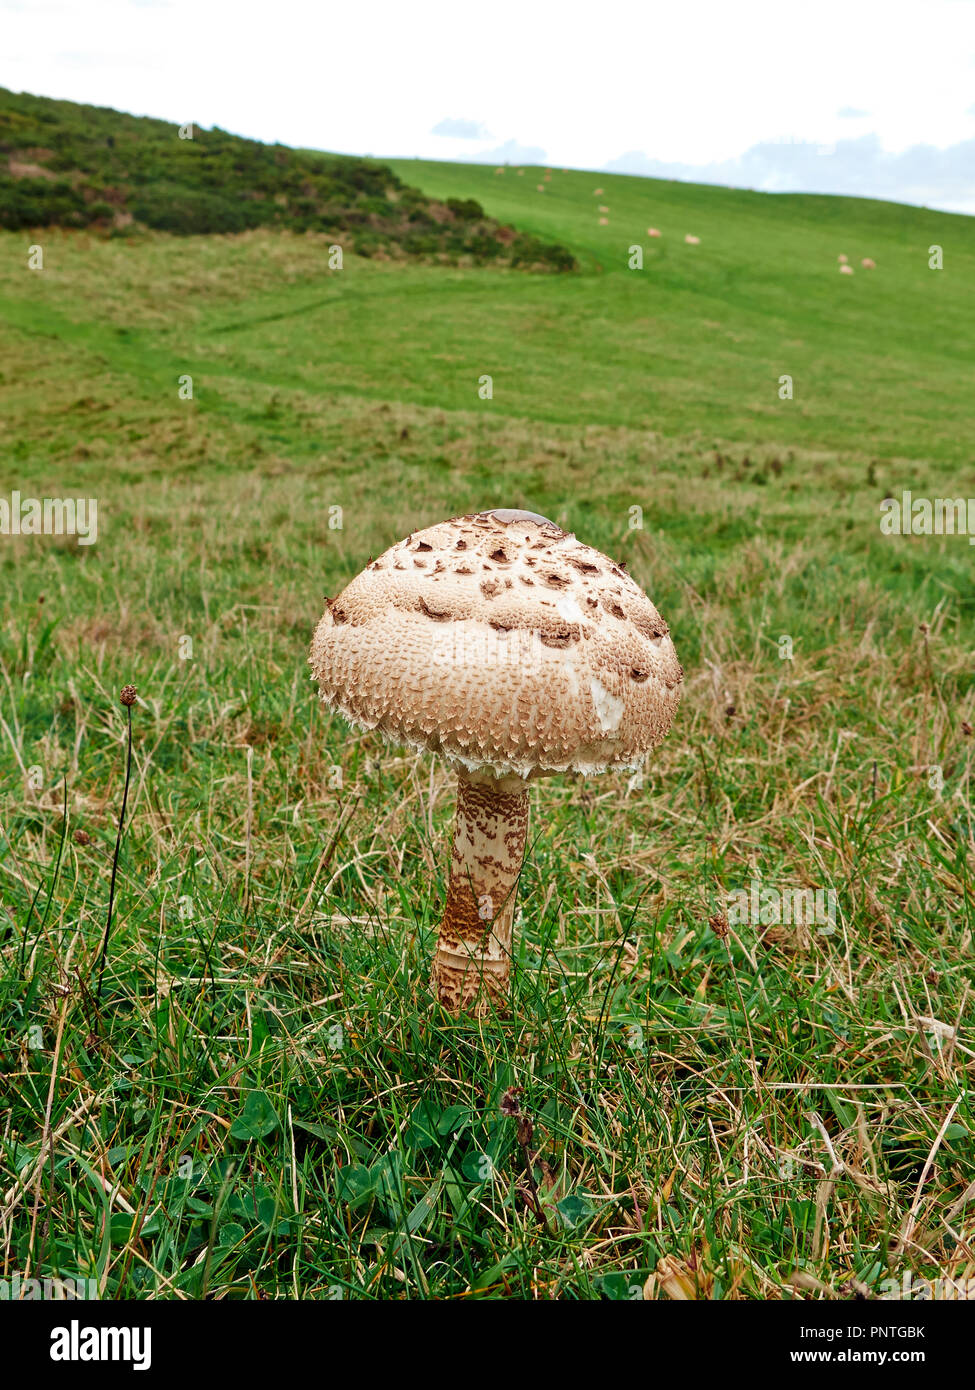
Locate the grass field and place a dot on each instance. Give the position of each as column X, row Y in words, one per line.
column 266, row 1102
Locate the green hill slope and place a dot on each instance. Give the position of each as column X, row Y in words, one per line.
column 693, row 345
column 696, row 341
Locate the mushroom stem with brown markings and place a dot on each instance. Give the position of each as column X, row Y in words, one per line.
column 473, row 960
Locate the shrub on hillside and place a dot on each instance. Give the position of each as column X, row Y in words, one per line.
column 40, row 203
column 529, row 250
column 192, row 212
column 467, row 209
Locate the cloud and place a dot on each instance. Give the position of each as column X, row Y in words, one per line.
column 511, row 153
column 851, row 113
column 860, row 168
column 971, row 110
column 461, row 130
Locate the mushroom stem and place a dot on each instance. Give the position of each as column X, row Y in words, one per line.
column 473, row 960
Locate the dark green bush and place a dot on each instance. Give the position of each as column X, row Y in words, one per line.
column 529, row 250
column 40, row 203
column 192, row 212
column 467, row 209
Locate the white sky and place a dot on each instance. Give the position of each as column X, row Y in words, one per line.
column 686, row 82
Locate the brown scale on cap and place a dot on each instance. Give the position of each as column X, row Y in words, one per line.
column 503, row 643
column 508, row 646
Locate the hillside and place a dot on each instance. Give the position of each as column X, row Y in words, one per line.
column 68, row 165
column 695, row 343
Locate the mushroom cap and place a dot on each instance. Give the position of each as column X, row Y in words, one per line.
column 503, row 643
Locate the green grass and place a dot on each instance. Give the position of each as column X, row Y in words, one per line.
column 267, row 1101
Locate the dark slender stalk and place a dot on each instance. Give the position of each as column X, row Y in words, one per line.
column 118, row 843
column 525, row 1134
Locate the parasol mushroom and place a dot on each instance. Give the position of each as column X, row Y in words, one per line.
column 514, row 651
